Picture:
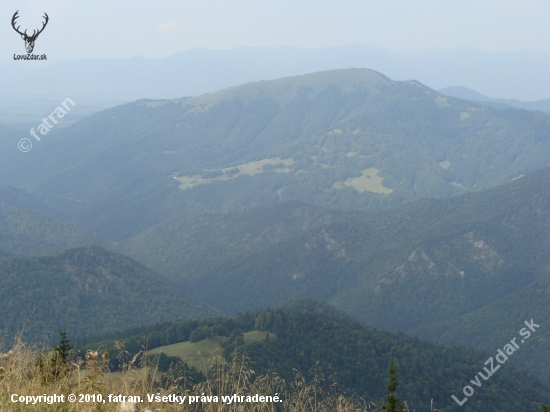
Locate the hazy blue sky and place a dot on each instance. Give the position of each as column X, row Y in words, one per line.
column 125, row 28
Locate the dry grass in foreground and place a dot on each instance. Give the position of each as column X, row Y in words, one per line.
column 29, row 371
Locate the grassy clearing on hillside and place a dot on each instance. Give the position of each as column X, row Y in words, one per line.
column 201, row 354
column 197, row 354
column 249, row 169
column 27, row 371
column 441, row 101
column 368, row 182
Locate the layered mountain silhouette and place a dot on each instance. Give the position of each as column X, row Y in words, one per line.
column 347, row 139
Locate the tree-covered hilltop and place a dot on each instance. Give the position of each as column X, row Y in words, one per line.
column 12, row 197
column 86, row 290
column 348, row 139
column 352, row 355
column 30, row 232
column 29, row 227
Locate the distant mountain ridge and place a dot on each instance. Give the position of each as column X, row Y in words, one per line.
column 469, row 94
column 97, row 84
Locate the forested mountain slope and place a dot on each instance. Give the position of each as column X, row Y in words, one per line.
column 354, row 356
column 462, row 254
column 496, row 237
column 487, row 327
column 346, row 139
column 86, row 290
column 189, row 244
column 404, row 269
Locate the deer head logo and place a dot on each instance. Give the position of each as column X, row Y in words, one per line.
column 29, row 40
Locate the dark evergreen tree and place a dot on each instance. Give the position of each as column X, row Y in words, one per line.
column 393, row 403
column 64, row 348
column 61, row 354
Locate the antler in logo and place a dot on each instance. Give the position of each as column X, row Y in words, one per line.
column 29, row 40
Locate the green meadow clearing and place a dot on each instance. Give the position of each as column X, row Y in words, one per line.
column 200, row 354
